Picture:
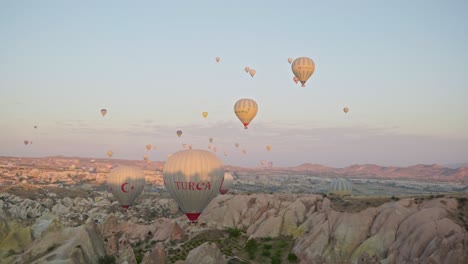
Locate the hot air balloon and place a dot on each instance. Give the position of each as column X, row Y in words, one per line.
column 193, row 179
column 237, row 145
column 225, row 154
column 290, row 60
column 303, row 68
column 226, row 184
column 244, row 151
column 263, row 162
column 218, row 59
column 148, row 147
column 211, row 140
column 145, row 157
column 205, row 114
column 270, row 164
column 35, row 127
column 110, row 153
column 245, row 110
column 103, row 112
column 268, row 147
column 340, row 187
column 252, row 72
column 179, row 133
column 346, row 110
column 126, row 183
column 190, row 147
column 295, row 79
column 154, row 147
column 247, row 69
column 209, row 146
column 215, row 149
column 26, row 142
column 184, row 145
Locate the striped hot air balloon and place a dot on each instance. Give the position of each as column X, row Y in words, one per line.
column 303, row 68
column 126, row 183
column 340, row 187
column 246, row 110
column 226, row 184
column 193, row 179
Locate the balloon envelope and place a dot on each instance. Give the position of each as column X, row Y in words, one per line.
column 246, row 110
column 103, row 112
column 303, row 68
column 148, row 147
column 205, row 114
column 179, row 133
column 247, row 69
column 237, row 145
column 126, row 183
column 296, row 80
column 26, row 142
column 252, row 72
column 346, row 110
column 226, row 184
column 193, row 179
column 110, row 153
column 290, row 60
column 211, row 140
column 218, row 59
column 268, row 147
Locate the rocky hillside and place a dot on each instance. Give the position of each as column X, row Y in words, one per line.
column 85, row 227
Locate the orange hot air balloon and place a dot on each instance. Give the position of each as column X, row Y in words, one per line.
column 296, row 80
column 346, row 110
column 246, row 110
column 303, row 68
column 110, row 153
column 148, row 147
column 179, row 133
column 103, row 112
column 218, row 59
column 252, row 72
column 205, row 114
column 247, row 69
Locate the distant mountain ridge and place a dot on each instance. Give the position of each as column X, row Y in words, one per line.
column 434, row 172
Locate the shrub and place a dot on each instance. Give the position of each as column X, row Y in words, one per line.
column 234, row 232
column 266, row 253
column 251, row 247
column 394, row 198
column 275, row 260
column 106, row 260
column 292, row 257
column 267, row 246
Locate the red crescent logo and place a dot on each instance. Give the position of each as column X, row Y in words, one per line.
column 123, row 187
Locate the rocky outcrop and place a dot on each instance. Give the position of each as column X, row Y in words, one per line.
column 405, row 231
column 156, row 255
column 205, row 253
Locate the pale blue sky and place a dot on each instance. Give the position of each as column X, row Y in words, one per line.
column 398, row 65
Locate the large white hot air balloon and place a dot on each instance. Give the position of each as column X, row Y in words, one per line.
column 226, row 184
column 126, row 183
column 246, row 110
column 193, row 179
